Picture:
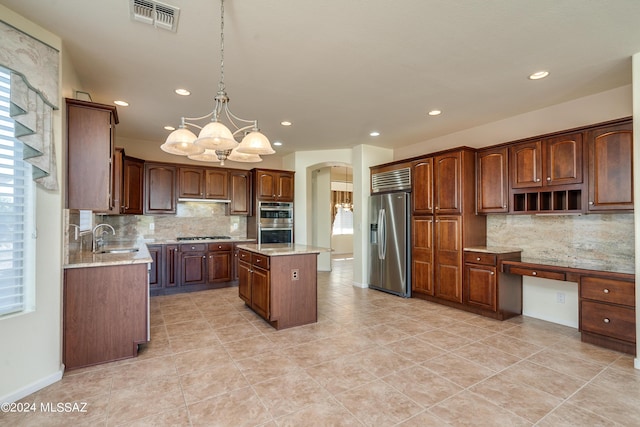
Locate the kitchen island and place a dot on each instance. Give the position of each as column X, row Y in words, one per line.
column 279, row 282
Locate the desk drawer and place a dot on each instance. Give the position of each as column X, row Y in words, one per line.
column 480, row 258
column 608, row 290
column 525, row 271
column 609, row 320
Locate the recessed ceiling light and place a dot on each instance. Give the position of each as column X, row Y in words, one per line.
column 435, row 112
column 183, row 92
column 121, row 103
column 374, row 133
column 538, row 75
column 277, row 143
column 285, row 123
column 169, row 128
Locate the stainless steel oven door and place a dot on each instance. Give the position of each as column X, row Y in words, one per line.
column 275, row 235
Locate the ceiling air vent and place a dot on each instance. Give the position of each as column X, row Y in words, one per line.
column 154, row 13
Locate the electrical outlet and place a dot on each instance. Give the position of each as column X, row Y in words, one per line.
column 560, row 297
column 295, row 274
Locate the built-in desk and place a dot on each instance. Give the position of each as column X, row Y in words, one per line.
column 606, row 298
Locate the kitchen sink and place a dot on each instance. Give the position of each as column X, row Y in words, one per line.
column 118, row 251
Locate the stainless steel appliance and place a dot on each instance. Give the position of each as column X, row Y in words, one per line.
column 389, row 239
column 275, row 222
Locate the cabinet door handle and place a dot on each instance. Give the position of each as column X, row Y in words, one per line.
column 606, row 291
column 591, row 203
column 478, row 259
column 534, row 273
column 606, row 320
column 504, row 206
column 537, row 179
column 219, row 246
column 493, row 273
column 548, row 178
column 204, row 256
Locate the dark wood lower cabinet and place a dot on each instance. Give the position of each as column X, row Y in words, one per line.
column 104, row 313
column 190, row 267
column 487, row 290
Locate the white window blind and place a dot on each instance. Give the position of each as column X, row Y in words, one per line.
column 16, row 213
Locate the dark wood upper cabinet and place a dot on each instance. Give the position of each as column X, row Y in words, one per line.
column 422, row 186
column 273, row 185
column 554, row 161
column 203, row 183
column 191, row 183
column 611, row 168
column 216, row 184
column 526, row 164
column 90, row 150
column 239, row 192
column 492, row 181
column 563, row 162
column 160, row 188
column 448, row 185
column 132, row 186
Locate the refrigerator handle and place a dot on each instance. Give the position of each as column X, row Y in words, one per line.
column 382, row 234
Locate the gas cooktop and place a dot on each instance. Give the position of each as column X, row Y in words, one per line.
column 203, row 238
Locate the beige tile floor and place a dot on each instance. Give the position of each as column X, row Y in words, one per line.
column 372, row 359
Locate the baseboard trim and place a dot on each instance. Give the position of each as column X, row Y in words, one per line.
column 33, row 387
column 360, row 285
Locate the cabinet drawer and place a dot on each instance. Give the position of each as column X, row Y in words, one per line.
column 608, row 290
column 610, row 320
column 524, row 271
column 193, row 247
column 220, row 246
column 480, row 258
column 260, row 260
column 244, row 255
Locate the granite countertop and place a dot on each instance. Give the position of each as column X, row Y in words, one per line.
column 281, row 249
column 175, row 241
column 90, row 259
column 493, row 249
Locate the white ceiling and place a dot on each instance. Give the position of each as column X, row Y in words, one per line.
column 339, row 69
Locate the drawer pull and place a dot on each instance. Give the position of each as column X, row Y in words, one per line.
column 534, row 273
column 493, row 273
column 478, row 259
column 606, row 320
column 606, row 291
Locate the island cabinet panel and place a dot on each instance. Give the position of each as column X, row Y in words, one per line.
column 281, row 289
column 160, row 188
column 104, row 314
column 156, row 269
column 611, row 168
column 492, row 181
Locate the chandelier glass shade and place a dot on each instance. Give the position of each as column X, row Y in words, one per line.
column 215, row 141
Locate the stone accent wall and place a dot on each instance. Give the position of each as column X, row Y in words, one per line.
column 599, row 239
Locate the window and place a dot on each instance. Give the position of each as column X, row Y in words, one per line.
column 343, row 222
column 17, row 255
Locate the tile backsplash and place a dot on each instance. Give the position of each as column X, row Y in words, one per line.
column 591, row 239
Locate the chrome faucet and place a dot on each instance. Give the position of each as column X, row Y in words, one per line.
column 98, row 240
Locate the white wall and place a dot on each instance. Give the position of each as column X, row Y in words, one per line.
column 31, row 355
column 636, row 185
column 321, row 215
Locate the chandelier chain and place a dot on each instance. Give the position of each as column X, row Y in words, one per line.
column 221, row 83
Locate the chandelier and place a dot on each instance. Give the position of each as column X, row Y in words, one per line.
column 215, row 141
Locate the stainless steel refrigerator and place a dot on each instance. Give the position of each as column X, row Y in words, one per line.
column 389, row 239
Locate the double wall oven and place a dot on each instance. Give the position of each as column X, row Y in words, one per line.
column 276, row 222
